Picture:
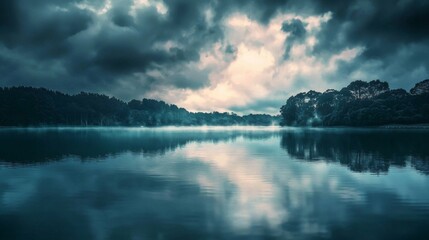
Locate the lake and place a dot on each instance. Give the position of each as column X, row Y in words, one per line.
column 214, row 183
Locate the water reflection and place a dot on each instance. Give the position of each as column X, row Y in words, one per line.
column 361, row 150
column 210, row 185
column 32, row 146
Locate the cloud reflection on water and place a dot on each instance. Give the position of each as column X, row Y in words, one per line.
column 213, row 185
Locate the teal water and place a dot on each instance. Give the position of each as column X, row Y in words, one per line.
column 204, row 183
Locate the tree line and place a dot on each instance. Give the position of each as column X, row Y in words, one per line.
column 359, row 104
column 27, row 106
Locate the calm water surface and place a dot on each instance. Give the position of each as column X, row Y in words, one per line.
column 131, row 183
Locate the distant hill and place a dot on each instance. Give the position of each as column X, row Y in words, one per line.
column 359, row 104
column 27, row 106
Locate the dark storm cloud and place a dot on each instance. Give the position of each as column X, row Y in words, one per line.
column 64, row 45
column 260, row 10
column 378, row 25
column 131, row 46
column 89, row 50
column 40, row 31
column 296, row 30
column 393, row 34
column 231, row 49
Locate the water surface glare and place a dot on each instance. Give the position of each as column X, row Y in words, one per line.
column 214, row 183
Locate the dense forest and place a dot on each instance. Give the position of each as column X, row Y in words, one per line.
column 27, row 106
column 359, row 104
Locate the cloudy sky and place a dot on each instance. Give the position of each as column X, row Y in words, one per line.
column 225, row 55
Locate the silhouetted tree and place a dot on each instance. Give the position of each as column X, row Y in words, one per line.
column 26, row 106
column 359, row 104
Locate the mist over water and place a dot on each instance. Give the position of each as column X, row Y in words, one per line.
column 214, row 183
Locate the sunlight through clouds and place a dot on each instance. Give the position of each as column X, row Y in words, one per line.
column 258, row 69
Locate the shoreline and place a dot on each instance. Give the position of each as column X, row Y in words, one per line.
column 411, row 126
column 219, row 127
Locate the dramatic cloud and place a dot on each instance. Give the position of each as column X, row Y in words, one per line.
column 296, row 31
column 225, row 55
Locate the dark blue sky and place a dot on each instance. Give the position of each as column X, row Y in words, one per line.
column 243, row 55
